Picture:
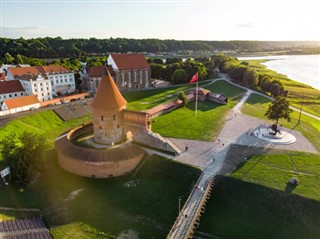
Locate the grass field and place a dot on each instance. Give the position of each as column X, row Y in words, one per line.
column 299, row 93
column 108, row 205
column 243, row 210
column 182, row 123
column 100, row 206
column 256, row 200
column 142, row 100
column 257, row 105
column 274, row 171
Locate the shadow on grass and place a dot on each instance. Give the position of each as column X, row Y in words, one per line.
column 290, row 187
column 254, row 210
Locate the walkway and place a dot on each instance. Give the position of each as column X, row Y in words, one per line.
column 194, row 206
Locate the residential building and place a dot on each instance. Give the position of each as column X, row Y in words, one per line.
column 61, row 79
column 10, row 89
column 38, row 85
column 23, row 103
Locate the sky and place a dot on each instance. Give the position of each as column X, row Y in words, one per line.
column 163, row 19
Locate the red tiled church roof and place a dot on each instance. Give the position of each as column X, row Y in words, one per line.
column 130, row 61
column 21, row 101
column 10, row 86
column 108, row 95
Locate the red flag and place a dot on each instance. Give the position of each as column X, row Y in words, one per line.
column 194, row 78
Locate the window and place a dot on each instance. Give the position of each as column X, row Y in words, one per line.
column 114, row 117
column 21, row 93
column 15, row 95
column 129, row 80
column 57, row 81
column 40, row 84
column 101, row 117
column 34, row 85
column 49, row 94
column 135, row 76
column 10, row 95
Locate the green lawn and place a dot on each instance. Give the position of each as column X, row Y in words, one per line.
column 107, row 205
column 299, row 93
column 142, row 100
column 257, row 105
column 274, row 171
column 104, row 205
column 182, row 123
column 243, row 210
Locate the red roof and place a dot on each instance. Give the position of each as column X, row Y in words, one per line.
column 98, row 71
column 108, row 95
column 36, row 70
column 130, row 61
column 21, row 101
column 10, row 86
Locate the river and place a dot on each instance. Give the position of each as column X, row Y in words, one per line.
column 301, row 68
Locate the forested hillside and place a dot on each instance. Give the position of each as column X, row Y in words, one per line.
column 57, row 47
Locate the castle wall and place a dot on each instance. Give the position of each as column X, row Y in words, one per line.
column 99, row 163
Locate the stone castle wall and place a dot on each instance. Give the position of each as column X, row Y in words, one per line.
column 99, row 163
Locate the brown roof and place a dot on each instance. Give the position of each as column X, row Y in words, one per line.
column 130, row 61
column 21, row 101
column 108, row 95
column 98, row 71
column 36, row 70
column 10, row 86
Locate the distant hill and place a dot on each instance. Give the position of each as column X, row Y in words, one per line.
column 57, row 47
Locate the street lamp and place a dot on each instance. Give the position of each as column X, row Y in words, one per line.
column 179, row 204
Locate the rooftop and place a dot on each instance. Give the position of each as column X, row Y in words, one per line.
column 130, row 61
column 21, row 101
column 10, row 86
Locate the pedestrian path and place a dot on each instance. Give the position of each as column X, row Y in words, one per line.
column 190, row 214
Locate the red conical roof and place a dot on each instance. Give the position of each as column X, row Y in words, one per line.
column 108, row 95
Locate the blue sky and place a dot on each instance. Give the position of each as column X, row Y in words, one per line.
column 181, row 20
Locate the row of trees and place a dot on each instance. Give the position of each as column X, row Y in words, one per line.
column 181, row 72
column 243, row 74
column 57, row 47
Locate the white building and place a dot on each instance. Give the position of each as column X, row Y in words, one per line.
column 19, row 104
column 61, row 79
column 38, row 85
column 11, row 89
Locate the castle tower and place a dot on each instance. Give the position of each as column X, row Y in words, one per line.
column 107, row 115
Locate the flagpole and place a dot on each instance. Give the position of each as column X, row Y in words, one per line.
column 196, row 113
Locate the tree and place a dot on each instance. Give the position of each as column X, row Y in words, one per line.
column 279, row 108
column 156, row 71
column 179, row 76
column 182, row 96
column 24, row 154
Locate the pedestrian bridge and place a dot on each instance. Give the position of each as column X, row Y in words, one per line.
column 189, row 216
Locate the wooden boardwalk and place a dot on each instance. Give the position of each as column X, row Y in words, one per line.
column 189, row 216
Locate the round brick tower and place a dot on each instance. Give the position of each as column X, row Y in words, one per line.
column 107, row 115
